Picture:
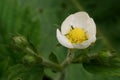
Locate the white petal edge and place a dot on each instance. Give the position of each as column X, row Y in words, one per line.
column 78, row 19
column 63, row 40
column 90, row 28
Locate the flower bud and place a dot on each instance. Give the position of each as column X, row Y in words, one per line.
column 29, row 59
column 20, row 41
column 106, row 54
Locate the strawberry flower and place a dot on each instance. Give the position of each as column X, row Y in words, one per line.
column 78, row 31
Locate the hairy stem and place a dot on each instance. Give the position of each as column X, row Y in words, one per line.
column 43, row 61
column 51, row 65
column 61, row 75
column 65, row 63
column 68, row 59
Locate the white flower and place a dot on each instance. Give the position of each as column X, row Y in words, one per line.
column 77, row 31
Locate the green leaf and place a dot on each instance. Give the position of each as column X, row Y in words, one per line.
column 58, row 45
column 3, row 66
column 53, row 57
column 109, row 67
column 102, row 70
column 23, row 72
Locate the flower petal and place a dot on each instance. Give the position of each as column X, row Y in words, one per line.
column 90, row 28
column 63, row 40
column 78, row 19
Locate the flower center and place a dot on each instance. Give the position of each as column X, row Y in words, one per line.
column 76, row 35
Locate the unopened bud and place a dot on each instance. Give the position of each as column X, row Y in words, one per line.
column 20, row 41
column 105, row 54
column 29, row 59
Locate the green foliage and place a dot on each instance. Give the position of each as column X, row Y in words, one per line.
column 16, row 20
column 3, row 67
column 103, row 69
column 103, row 64
column 53, row 57
column 37, row 20
column 22, row 72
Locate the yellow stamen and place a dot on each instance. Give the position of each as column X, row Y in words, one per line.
column 76, row 35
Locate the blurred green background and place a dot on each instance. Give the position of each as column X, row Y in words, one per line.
column 38, row 20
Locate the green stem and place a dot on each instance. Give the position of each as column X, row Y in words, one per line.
column 61, row 75
column 68, row 59
column 43, row 61
column 65, row 63
column 51, row 65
